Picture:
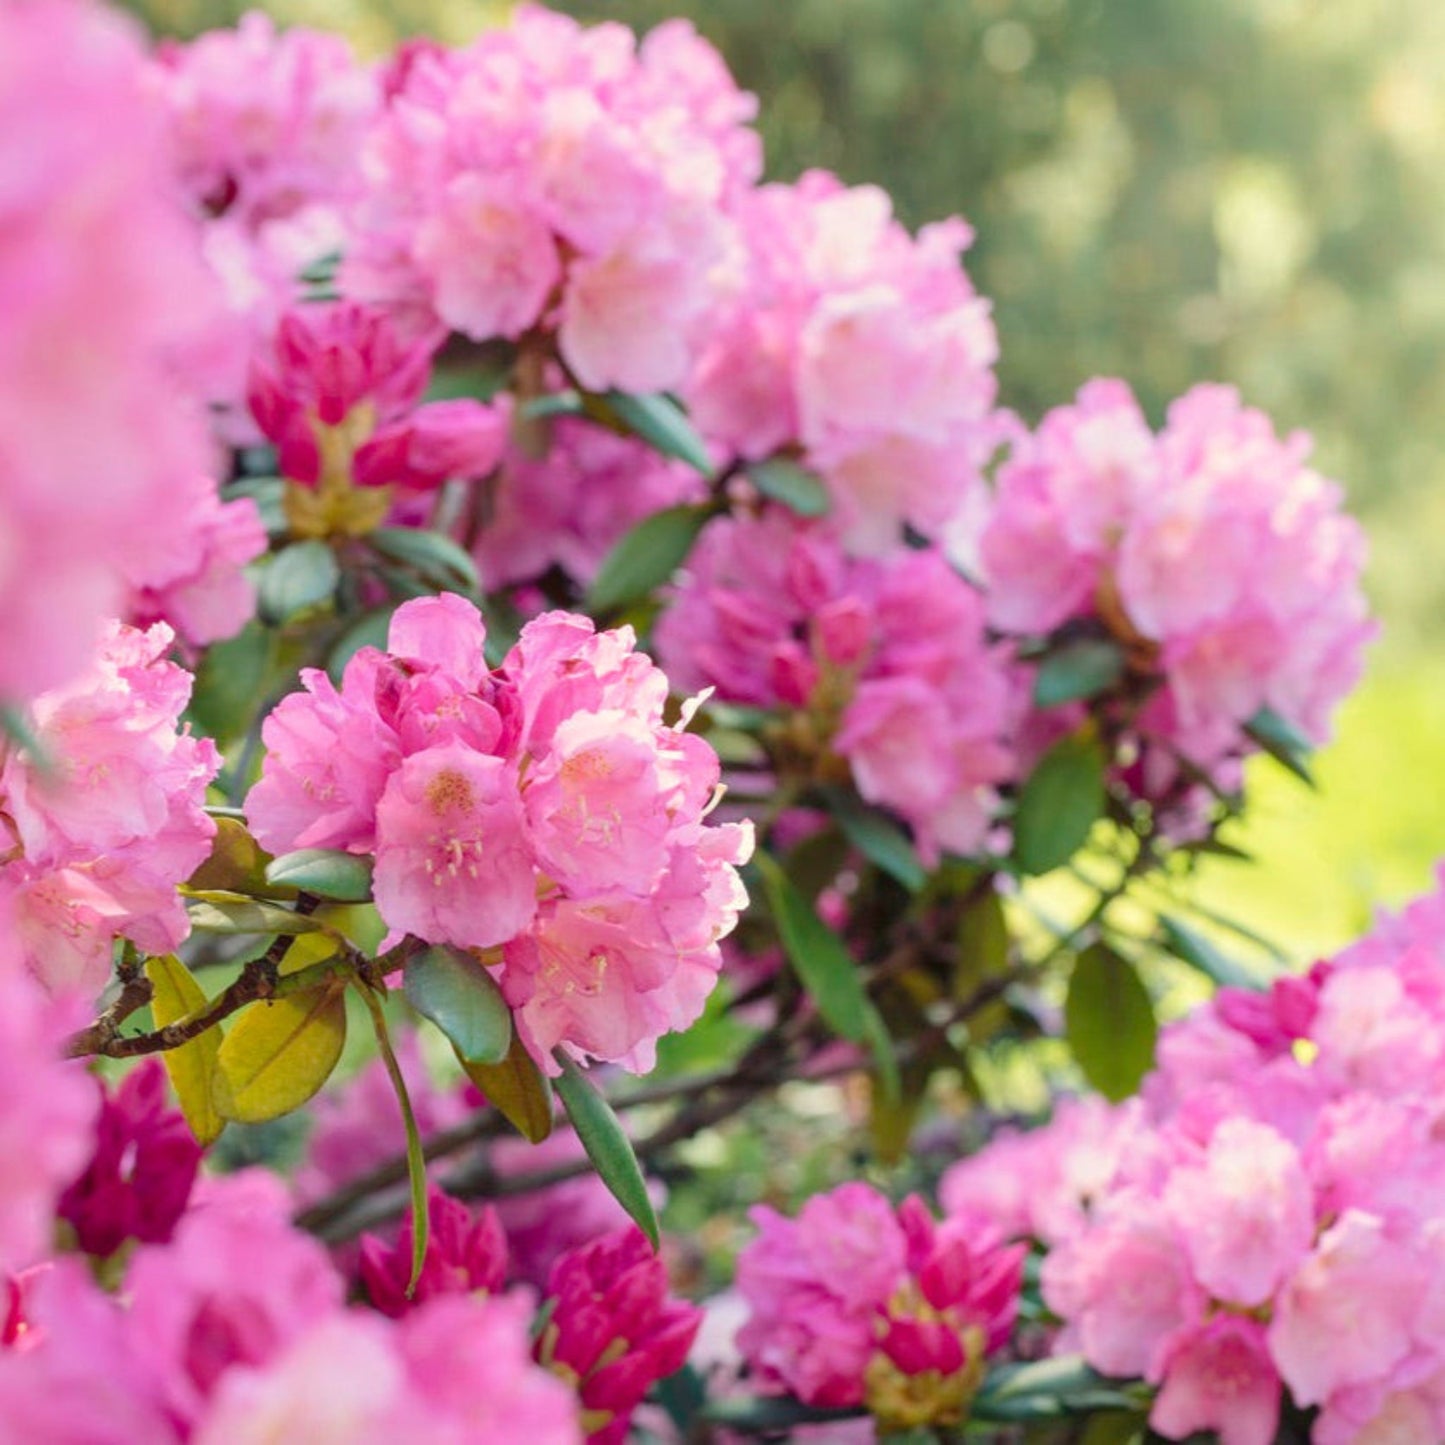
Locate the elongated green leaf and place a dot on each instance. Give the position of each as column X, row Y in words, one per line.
column 663, row 425
column 828, row 971
column 192, row 1066
column 1196, row 950
column 279, row 1053
column 218, row 912
column 646, row 557
column 1047, row 1390
column 1282, row 741
column 772, row 1413
column 1109, row 1022
column 877, row 838
column 1078, row 670
column 433, row 556
column 607, row 1145
column 983, row 942
column 1059, row 803
column 553, row 403
column 462, row 999
column 517, row 1089
column 792, row 484
column 326, row 872
column 302, row 575
column 415, row 1158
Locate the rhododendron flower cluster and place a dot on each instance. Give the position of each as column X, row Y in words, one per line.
column 887, row 661
column 613, row 1329
column 236, row 1330
column 570, row 506
column 1268, row 1219
column 139, row 1179
column 551, row 179
column 543, row 810
column 101, row 286
column 266, row 129
column 102, row 826
column 1217, row 560
column 860, row 348
column 339, row 396
column 854, row 1302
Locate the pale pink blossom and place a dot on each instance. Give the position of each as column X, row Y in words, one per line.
column 1220, row 1378
column 560, row 182
column 865, row 350
column 101, row 836
column 101, row 286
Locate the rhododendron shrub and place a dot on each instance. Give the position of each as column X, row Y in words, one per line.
column 480, row 571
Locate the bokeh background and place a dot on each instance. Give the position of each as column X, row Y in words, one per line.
column 1170, row 191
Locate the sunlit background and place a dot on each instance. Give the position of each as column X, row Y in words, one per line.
column 1241, row 190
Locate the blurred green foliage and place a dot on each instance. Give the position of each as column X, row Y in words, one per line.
column 1171, row 191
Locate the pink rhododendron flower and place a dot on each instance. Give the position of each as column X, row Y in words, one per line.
column 614, row 1329
column 863, row 348
column 139, row 1178
column 99, row 840
column 266, row 129
column 550, row 179
column 466, row 1254
column 854, row 1303
column 888, row 659
column 545, row 808
column 339, row 395
column 193, row 579
column 1222, row 1379
column 568, row 507
column 101, row 286
column 47, row 1112
column 1097, row 523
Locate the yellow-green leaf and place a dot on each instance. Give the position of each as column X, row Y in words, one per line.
column 279, row 1053
column 191, row 1067
column 517, row 1089
column 215, row 911
column 309, row 948
column 236, row 863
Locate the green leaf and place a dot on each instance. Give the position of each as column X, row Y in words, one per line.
column 367, row 631
column 517, row 1089
column 230, row 681
column 877, row 838
column 462, row 999
column 662, row 424
column 326, row 872
column 1059, row 803
column 279, row 1053
column 1047, row 1390
column 553, row 403
column 792, row 484
column 415, row 1157
column 646, row 557
column 1109, row 1022
column 434, row 557
column 1197, row 951
column 1282, row 741
column 828, row 971
column 219, row 912
column 983, row 943
column 1078, row 670
column 607, row 1145
column 298, row 577
column 191, row 1067
column 875, row 1031
column 235, row 863
column 772, row 1413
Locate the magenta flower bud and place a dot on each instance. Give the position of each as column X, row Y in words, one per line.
column 614, row 1330
column 466, row 1254
column 139, row 1179
column 843, row 629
